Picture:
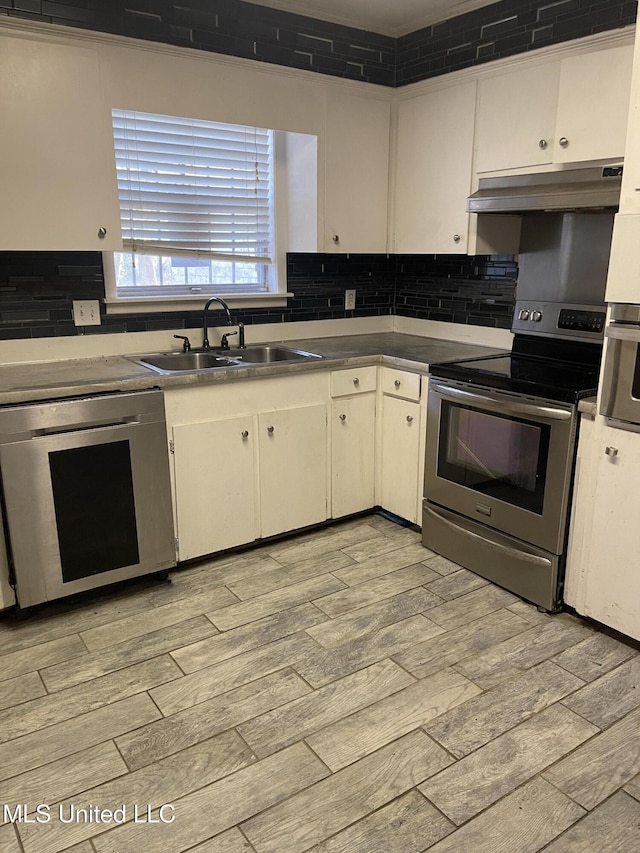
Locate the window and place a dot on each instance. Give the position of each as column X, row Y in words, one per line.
column 196, row 209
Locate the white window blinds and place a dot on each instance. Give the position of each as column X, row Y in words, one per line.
column 194, row 188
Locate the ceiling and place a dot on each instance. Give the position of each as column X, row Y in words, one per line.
column 388, row 17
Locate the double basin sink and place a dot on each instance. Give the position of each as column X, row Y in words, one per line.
column 195, row 361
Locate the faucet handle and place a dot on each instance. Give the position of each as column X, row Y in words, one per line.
column 224, row 343
column 186, row 343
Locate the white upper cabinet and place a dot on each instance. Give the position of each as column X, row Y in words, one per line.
column 630, row 195
column 593, row 105
column 433, row 171
column 356, row 173
column 566, row 111
column 57, row 166
column 516, row 118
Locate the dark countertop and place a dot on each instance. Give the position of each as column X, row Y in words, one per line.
column 36, row 381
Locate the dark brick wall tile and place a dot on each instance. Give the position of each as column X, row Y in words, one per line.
column 238, row 28
column 37, row 290
column 503, row 29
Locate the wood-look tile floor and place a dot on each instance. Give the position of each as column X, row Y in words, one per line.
column 342, row 691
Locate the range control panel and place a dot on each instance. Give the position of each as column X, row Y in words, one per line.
column 559, row 320
column 581, row 321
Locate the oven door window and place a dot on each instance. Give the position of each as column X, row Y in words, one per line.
column 499, row 456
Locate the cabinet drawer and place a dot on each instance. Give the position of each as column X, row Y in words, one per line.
column 353, row 381
column 401, row 384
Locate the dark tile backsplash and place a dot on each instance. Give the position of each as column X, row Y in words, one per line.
column 237, row 28
column 37, row 290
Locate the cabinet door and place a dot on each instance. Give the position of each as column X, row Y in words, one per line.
column 352, row 454
column 630, row 195
column 57, row 166
column 215, row 485
column 613, row 577
column 356, row 174
column 593, row 105
column 400, row 473
column 293, row 468
column 433, row 171
column 623, row 277
column 516, row 118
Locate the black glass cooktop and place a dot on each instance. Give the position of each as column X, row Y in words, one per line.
column 530, row 374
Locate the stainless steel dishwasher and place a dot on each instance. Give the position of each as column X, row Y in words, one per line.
column 86, row 493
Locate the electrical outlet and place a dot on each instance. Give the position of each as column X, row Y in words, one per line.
column 349, row 300
column 86, row 312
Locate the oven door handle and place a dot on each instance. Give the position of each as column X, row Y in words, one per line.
column 501, row 405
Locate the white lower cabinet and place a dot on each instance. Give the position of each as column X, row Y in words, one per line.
column 252, row 459
column 215, row 495
column 352, row 454
column 292, row 460
column 611, row 574
column 402, row 427
column 249, row 460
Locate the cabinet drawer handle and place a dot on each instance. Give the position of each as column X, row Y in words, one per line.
column 270, row 430
column 102, row 232
column 543, row 144
column 564, row 142
column 343, row 418
column 611, row 451
column 245, row 433
column 397, row 383
column 409, row 419
column 356, row 381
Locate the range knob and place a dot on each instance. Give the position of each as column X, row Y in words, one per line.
column 523, row 314
column 536, row 316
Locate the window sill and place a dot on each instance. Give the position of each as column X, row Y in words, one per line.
column 147, row 305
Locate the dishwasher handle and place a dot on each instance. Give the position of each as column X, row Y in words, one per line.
column 85, row 426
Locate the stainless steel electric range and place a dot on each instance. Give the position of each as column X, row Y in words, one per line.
column 501, row 442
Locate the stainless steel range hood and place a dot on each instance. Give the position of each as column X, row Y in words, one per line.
column 595, row 187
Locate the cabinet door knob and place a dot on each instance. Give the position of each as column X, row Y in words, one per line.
column 336, row 239
column 245, row 433
column 102, row 232
column 397, row 383
column 611, row 451
column 409, row 419
column 343, row 417
column 270, row 430
column 356, row 381
column 564, row 142
column 456, row 238
column 543, row 144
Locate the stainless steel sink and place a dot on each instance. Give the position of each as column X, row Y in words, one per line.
column 195, row 361
column 268, row 354
column 182, row 362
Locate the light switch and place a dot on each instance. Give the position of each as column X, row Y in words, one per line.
column 86, row 312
